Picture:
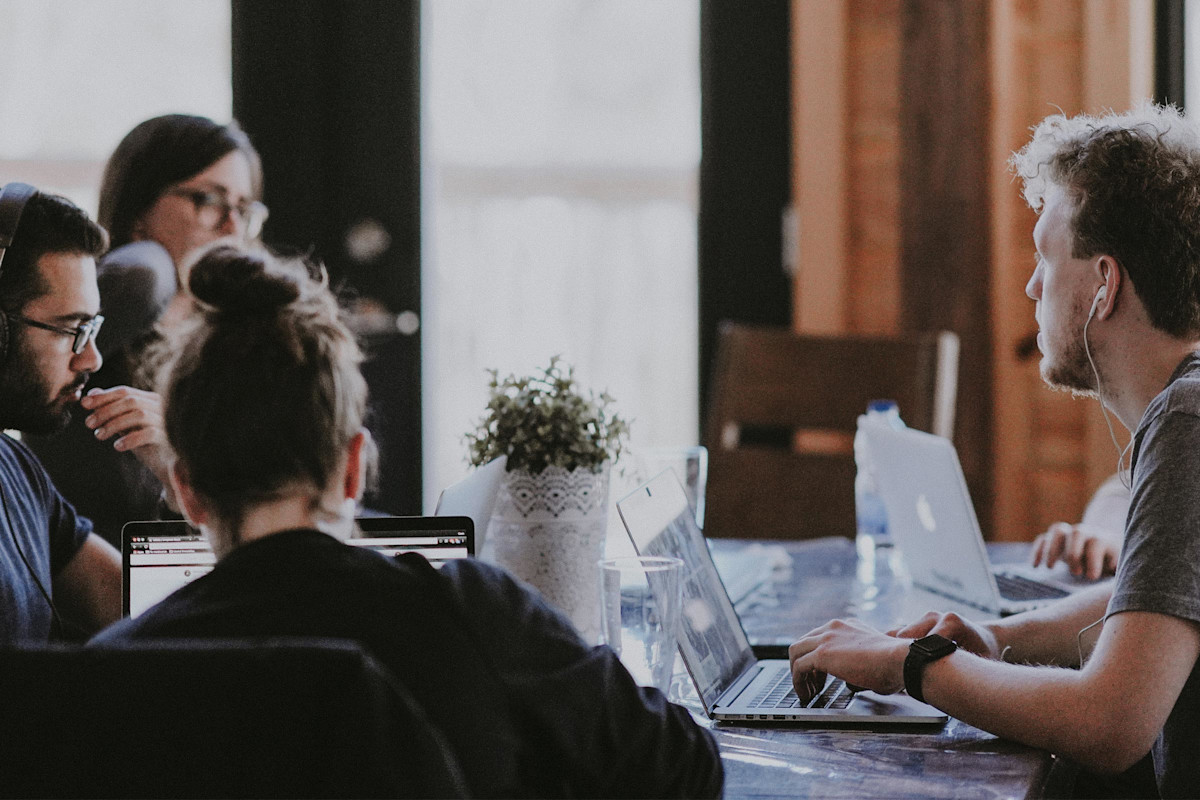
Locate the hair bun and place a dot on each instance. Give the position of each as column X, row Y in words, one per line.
column 233, row 281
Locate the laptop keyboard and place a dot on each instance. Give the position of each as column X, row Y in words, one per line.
column 1017, row 587
column 781, row 694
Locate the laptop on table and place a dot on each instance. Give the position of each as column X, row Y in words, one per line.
column 933, row 521
column 732, row 683
column 474, row 496
column 161, row 556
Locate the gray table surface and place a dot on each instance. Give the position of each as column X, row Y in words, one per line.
column 819, row 580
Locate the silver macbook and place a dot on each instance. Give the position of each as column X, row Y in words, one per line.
column 475, row 497
column 159, row 557
column 931, row 516
column 731, row 682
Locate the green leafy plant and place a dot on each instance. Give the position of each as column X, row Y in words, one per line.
column 547, row 420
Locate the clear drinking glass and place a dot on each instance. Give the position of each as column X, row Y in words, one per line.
column 640, row 603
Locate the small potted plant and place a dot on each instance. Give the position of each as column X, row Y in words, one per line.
column 551, row 513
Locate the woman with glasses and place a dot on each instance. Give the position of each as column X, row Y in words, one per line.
column 174, row 185
column 182, row 181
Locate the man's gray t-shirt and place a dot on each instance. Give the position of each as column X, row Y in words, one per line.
column 1159, row 570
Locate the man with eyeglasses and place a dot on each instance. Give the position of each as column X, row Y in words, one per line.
column 57, row 577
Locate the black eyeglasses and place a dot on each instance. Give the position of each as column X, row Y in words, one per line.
column 213, row 209
column 84, row 335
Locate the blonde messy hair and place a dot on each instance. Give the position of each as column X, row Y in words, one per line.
column 1134, row 179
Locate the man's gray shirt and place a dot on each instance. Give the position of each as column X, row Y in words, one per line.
column 1159, row 569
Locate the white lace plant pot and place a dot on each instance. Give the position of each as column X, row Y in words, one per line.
column 549, row 530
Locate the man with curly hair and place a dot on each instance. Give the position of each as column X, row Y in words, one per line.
column 1117, row 291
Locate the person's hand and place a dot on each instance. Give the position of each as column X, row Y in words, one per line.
column 852, row 651
column 133, row 420
column 969, row 635
column 1089, row 551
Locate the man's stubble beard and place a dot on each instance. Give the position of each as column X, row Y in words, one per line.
column 25, row 402
column 1073, row 372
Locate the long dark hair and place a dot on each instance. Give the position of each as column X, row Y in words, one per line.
column 263, row 391
column 158, row 153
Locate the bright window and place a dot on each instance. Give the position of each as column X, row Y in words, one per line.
column 76, row 75
column 562, row 143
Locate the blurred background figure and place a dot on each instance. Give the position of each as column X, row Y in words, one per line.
column 1090, row 547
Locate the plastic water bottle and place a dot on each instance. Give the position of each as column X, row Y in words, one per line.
column 869, row 511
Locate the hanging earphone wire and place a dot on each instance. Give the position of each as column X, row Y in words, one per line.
column 1124, row 476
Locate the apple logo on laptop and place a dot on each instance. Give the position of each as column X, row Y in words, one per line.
column 925, row 514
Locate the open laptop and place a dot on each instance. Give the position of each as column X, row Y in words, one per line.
column 931, row 516
column 162, row 556
column 474, row 496
column 731, row 682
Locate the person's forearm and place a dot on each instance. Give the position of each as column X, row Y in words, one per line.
column 1050, row 635
column 1104, row 715
column 1044, row 707
column 88, row 589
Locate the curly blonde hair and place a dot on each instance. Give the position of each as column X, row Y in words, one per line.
column 1134, row 179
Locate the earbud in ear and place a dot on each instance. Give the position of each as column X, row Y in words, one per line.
column 1101, row 293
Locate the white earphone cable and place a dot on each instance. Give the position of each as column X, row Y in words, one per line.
column 1123, row 474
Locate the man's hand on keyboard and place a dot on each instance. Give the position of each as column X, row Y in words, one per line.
column 852, row 651
column 1089, row 551
column 969, row 635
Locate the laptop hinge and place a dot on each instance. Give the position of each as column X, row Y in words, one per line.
column 731, row 695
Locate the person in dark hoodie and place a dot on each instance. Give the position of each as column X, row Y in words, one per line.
column 264, row 405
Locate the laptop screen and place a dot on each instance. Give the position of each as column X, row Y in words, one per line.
column 713, row 644
column 161, row 557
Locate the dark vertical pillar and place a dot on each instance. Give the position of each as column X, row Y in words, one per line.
column 1169, row 52
column 745, row 167
column 945, row 225
column 329, row 91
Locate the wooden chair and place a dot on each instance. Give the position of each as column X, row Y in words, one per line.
column 782, row 416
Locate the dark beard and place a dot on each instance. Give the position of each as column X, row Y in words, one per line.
column 25, row 401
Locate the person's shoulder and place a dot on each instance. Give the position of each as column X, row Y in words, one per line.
column 497, row 598
column 122, row 630
column 9, row 444
column 1181, row 395
column 16, row 457
column 475, row 576
column 136, row 283
column 147, row 259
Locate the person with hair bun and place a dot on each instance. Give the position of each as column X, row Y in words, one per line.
column 174, row 185
column 264, row 405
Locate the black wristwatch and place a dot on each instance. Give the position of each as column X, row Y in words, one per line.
column 924, row 651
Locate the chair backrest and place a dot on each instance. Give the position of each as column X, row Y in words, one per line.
column 275, row 718
column 782, row 414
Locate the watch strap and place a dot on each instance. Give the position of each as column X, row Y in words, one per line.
column 921, row 653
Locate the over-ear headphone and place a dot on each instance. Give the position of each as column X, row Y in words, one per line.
column 13, row 197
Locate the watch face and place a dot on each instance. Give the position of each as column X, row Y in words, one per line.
column 935, row 646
